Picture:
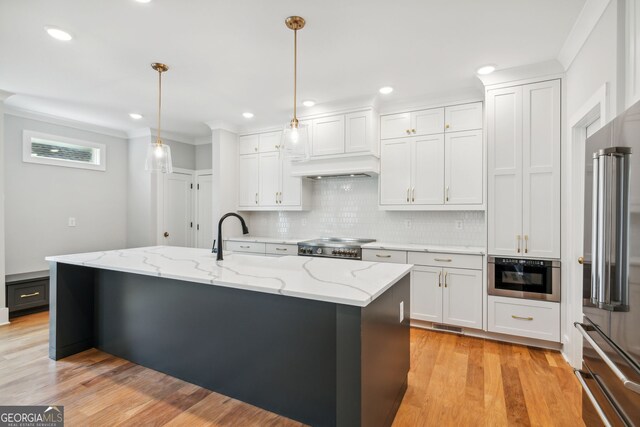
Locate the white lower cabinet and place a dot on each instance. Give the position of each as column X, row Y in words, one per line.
column 261, row 248
column 426, row 294
column 524, row 318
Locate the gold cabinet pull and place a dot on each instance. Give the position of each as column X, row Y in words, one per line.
column 447, row 193
column 440, row 279
column 408, row 192
column 282, row 249
column 35, row 294
column 580, row 260
column 256, row 198
column 413, row 194
column 383, row 256
column 445, row 279
column 443, row 259
column 526, row 243
column 518, row 239
column 244, row 247
column 521, row 318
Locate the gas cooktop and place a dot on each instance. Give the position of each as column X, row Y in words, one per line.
column 333, row 247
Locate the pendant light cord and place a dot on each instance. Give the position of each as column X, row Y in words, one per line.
column 295, row 73
column 158, row 140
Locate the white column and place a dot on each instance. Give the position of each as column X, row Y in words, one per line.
column 4, row 311
column 224, row 166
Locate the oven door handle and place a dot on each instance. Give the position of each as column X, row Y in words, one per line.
column 631, row 385
column 592, row 398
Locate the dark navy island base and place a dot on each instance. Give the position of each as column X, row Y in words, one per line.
column 320, row 363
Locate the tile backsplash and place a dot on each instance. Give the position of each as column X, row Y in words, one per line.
column 348, row 207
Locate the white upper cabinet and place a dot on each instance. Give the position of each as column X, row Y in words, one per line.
column 464, row 170
column 463, row 117
column 523, row 130
column 445, row 170
column 269, row 173
column 248, row 180
column 248, row 144
column 269, row 142
column 359, row 132
column 427, row 170
column 290, row 186
column 395, row 167
column 328, row 136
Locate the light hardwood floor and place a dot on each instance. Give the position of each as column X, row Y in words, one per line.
column 454, row 380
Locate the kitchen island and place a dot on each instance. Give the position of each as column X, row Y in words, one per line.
column 321, row 341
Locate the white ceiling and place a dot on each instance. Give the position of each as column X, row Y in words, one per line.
column 227, row 57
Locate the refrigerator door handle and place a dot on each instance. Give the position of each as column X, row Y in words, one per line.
column 631, row 385
column 595, row 259
column 591, row 397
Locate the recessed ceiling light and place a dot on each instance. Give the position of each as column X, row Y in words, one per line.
column 143, row 1
column 135, row 116
column 247, row 115
column 386, row 90
column 308, row 103
column 487, row 69
column 58, row 34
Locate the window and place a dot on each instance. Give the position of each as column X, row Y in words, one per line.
column 61, row 151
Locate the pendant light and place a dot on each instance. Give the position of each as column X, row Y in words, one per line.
column 159, row 154
column 296, row 135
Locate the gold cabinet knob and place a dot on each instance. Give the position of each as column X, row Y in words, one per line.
column 580, row 260
column 446, row 126
column 408, row 132
column 255, row 149
column 166, row 234
column 413, row 130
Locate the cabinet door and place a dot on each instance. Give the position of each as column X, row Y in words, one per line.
column 270, row 142
column 426, row 294
column 269, row 178
column 395, row 126
column 427, row 170
column 464, row 171
column 359, row 132
column 504, row 151
column 395, row 171
column 427, row 122
column 463, row 117
column 541, row 169
column 462, row 297
column 290, row 186
column 328, row 136
column 248, row 180
column 248, row 144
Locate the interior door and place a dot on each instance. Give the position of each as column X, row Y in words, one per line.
column 204, row 211
column 462, row 297
column 504, row 139
column 464, row 172
column 395, row 171
column 426, row 294
column 541, row 169
column 248, row 180
column 178, row 219
column 328, row 136
column 427, row 170
column 290, row 187
column 269, row 178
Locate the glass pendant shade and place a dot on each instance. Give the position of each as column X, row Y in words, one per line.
column 295, row 141
column 158, row 158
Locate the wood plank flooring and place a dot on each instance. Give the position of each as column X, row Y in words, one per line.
column 454, row 381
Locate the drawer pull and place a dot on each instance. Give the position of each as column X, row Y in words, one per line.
column 282, row 249
column 445, row 279
column 244, row 247
column 440, row 279
column 521, row 318
column 35, row 294
column 443, row 259
column 383, row 256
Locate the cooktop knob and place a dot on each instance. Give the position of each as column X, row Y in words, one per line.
column 319, row 250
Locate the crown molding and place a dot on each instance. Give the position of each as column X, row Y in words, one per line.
column 515, row 75
column 203, row 140
column 582, row 28
column 222, row 125
column 61, row 121
column 4, row 95
column 453, row 97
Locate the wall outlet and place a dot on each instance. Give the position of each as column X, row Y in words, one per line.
column 72, row 221
column 459, row 225
column 408, row 223
column 401, row 311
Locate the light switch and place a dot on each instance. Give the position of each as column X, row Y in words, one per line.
column 72, row 221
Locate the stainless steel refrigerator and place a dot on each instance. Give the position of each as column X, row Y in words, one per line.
column 610, row 374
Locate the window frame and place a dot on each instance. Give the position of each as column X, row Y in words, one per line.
column 28, row 135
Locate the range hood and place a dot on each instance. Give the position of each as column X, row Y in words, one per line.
column 364, row 165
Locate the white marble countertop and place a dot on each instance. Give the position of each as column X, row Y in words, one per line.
column 338, row 281
column 418, row 247
column 258, row 239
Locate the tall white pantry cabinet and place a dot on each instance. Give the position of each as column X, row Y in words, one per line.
column 523, row 137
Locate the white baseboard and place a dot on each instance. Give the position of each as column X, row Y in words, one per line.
column 4, row 316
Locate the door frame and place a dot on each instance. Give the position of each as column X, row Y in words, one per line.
column 160, row 203
column 196, row 202
column 597, row 106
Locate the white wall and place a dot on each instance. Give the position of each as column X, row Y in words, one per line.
column 141, row 199
column 4, row 312
column 182, row 155
column 204, row 156
column 39, row 199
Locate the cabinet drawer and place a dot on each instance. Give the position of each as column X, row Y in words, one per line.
column 253, row 247
column 27, row 294
column 379, row 255
column 277, row 249
column 446, row 260
column 525, row 318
